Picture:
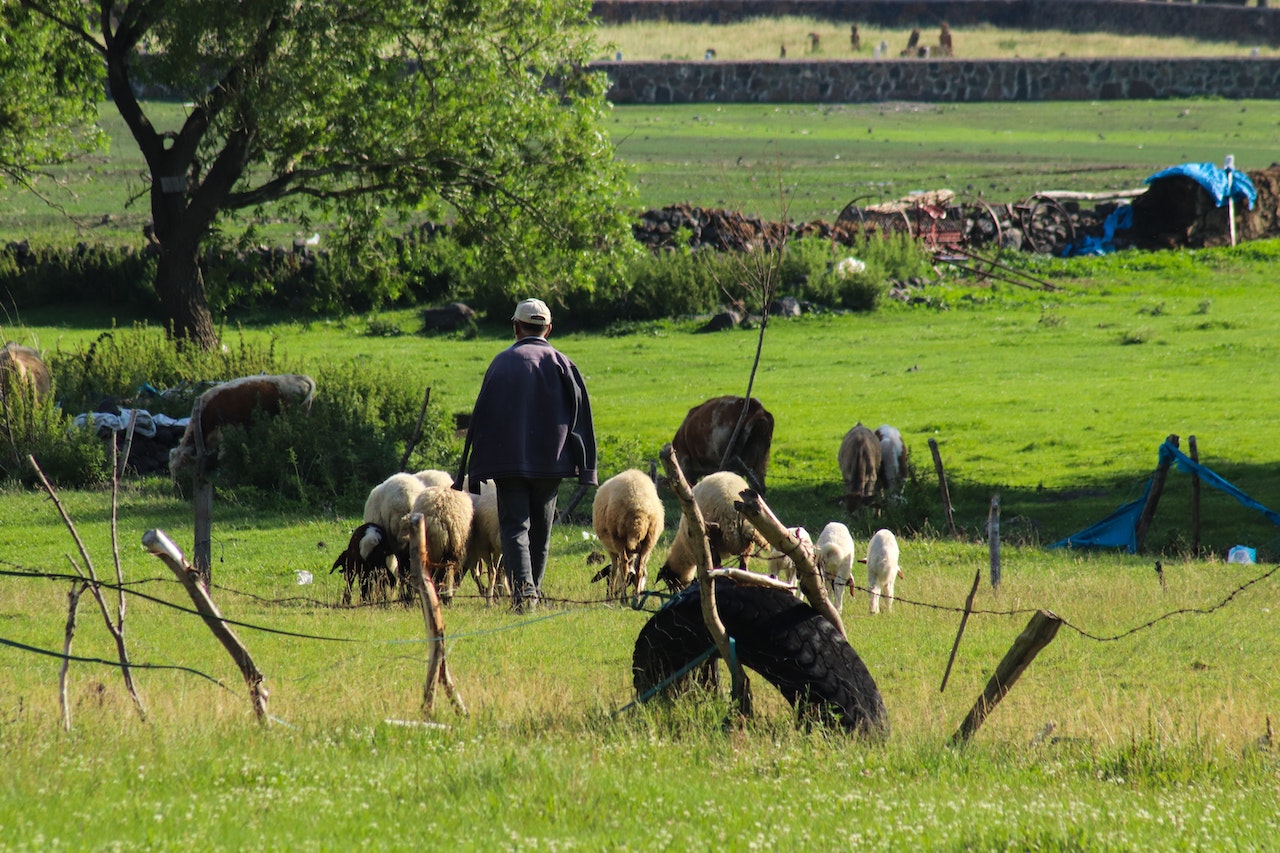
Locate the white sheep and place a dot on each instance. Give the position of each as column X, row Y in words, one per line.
column 628, row 518
column 732, row 533
column 882, row 568
column 893, row 459
column 780, row 565
column 434, row 477
column 835, row 560
column 484, row 547
column 386, row 507
column 447, row 515
column 849, row 267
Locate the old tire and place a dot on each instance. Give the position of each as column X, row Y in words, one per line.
column 783, row 639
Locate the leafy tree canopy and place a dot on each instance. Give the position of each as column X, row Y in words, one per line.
column 480, row 112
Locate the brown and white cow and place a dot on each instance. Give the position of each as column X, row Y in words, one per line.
column 23, row 364
column 238, row 402
column 701, row 440
column 859, row 460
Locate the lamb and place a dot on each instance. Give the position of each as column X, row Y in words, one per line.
column 484, row 546
column 732, row 534
column 447, row 514
column 882, row 568
column 24, row 364
column 379, row 548
column 628, row 517
column 783, row 567
column 859, row 460
column 435, row 477
column 238, row 402
column 893, row 459
column 835, row 560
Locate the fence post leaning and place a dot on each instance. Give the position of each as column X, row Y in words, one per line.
column 1153, row 498
column 437, row 665
column 942, row 485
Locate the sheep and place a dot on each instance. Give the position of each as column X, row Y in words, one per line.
column 893, row 459
column 379, row 548
column 859, row 460
column 849, row 267
column 484, row 546
column 435, row 477
column 628, row 517
column 238, row 402
column 727, row 530
column 783, row 567
column 447, row 515
column 835, row 560
column 24, row 364
column 882, row 568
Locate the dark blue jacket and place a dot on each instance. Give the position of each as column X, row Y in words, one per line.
column 532, row 418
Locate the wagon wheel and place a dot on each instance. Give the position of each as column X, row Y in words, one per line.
column 1047, row 225
column 983, row 236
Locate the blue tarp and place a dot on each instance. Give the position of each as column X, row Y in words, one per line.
column 1119, row 529
column 1121, row 219
column 1218, row 182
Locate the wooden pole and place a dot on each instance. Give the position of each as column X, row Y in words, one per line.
column 202, row 500
column 740, row 690
column 1153, row 498
column 162, row 547
column 968, row 608
column 437, row 666
column 1194, row 454
column 993, row 540
column 1039, row 632
column 942, row 485
column 73, row 601
column 417, row 431
column 756, row 511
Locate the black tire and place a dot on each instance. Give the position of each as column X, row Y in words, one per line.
column 778, row 636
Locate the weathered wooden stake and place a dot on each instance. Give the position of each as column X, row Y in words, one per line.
column 812, row 584
column 942, row 485
column 1039, row 633
column 993, row 540
column 162, row 547
column 73, row 601
column 1194, row 454
column 1153, row 498
column 968, row 608
column 202, row 502
column 417, row 431
column 437, row 666
column 740, row 690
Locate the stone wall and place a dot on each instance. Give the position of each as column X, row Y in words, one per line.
column 939, row 80
column 1212, row 21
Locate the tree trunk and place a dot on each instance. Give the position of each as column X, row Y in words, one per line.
column 180, row 286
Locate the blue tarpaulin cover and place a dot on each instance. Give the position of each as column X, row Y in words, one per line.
column 1216, row 180
column 1119, row 529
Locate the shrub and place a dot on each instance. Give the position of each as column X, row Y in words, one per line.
column 70, row 456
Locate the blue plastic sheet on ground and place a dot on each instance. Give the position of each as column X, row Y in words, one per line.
column 1121, row 219
column 1218, row 182
column 1119, row 529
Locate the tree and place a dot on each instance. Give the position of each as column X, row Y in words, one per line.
column 50, row 94
column 477, row 110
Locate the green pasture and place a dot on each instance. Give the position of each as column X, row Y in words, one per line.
column 1055, row 400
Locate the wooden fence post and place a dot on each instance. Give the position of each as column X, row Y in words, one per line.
column 437, row 666
column 942, row 485
column 968, row 608
column 1153, row 498
column 417, row 431
column 993, row 540
column 161, row 546
column 202, row 502
column 1039, row 632
column 1194, row 454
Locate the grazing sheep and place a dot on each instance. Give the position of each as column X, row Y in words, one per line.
column 882, row 568
column 780, row 565
column 435, row 477
column 893, row 459
column 379, row 548
column 484, row 547
column 365, row 563
column 727, row 531
column 859, row 460
column 238, row 402
column 835, row 560
column 628, row 517
column 24, row 364
column 447, row 514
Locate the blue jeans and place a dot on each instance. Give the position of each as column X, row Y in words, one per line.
column 526, row 510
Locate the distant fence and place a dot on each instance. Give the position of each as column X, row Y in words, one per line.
column 939, row 80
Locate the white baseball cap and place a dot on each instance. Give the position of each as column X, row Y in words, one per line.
column 534, row 312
